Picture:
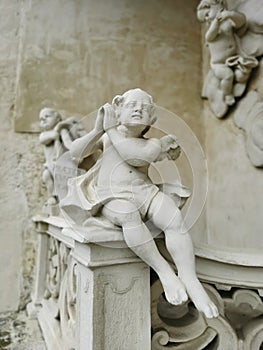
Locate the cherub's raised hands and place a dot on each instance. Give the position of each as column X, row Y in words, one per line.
column 223, row 15
column 99, row 120
column 110, row 120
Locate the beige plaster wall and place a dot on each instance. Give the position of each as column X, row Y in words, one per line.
column 75, row 56
column 20, row 188
column 234, row 205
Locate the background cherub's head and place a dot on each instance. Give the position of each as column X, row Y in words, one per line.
column 208, row 9
column 48, row 118
column 135, row 107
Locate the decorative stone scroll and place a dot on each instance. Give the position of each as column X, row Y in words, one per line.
column 235, row 41
column 239, row 326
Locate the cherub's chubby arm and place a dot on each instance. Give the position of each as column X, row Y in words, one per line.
column 238, row 18
column 87, row 144
column 135, row 151
column 48, row 137
column 62, row 129
column 213, row 30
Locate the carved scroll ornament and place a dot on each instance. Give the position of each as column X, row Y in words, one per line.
column 239, row 325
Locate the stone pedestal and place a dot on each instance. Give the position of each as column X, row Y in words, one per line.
column 113, row 302
column 92, row 292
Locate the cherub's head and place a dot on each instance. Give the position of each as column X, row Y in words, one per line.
column 76, row 128
column 208, row 9
column 49, row 118
column 135, row 107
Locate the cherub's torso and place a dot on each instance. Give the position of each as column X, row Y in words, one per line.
column 116, row 171
column 224, row 45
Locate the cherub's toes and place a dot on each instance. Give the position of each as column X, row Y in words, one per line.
column 211, row 311
column 215, row 311
column 180, row 297
column 183, row 295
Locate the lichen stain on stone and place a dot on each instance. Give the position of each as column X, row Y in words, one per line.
column 5, row 340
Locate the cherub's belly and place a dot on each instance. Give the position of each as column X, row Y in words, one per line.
column 220, row 50
column 120, row 174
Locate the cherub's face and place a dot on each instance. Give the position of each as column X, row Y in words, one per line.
column 77, row 130
column 48, row 119
column 208, row 10
column 136, row 109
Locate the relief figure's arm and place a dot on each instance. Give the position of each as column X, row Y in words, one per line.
column 213, row 30
column 47, row 137
column 238, row 18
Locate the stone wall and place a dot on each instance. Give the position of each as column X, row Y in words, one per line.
column 75, row 56
column 234, row 206
column 235, row 186
column 21, row 190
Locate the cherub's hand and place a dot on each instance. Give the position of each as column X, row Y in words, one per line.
column 64, row 124
column 99, row 120
column 223, row 15
column 170, row 147
column 168, row 141
column 110, row 120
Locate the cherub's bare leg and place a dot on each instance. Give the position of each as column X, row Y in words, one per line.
column 49, row 182
column 139, row 240
column 241, row 77
column 167, row 217
column 226, row 77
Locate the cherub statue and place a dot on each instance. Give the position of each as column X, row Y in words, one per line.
column 230, row 64
column 56, row 136
column 119, row 188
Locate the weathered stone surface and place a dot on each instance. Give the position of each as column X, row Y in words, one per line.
column 17, row 332
column 235, row 186
column 75, row 56
column 20, row 187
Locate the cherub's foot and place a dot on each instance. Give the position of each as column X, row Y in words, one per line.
column 52, row 200
column 207, row 307
column 239, row 89
column 174, row 290
column 229, row 100
column 201, row 300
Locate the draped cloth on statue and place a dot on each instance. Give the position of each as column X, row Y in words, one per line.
column 85, row 193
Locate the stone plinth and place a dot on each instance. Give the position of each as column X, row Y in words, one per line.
column 91, row 291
